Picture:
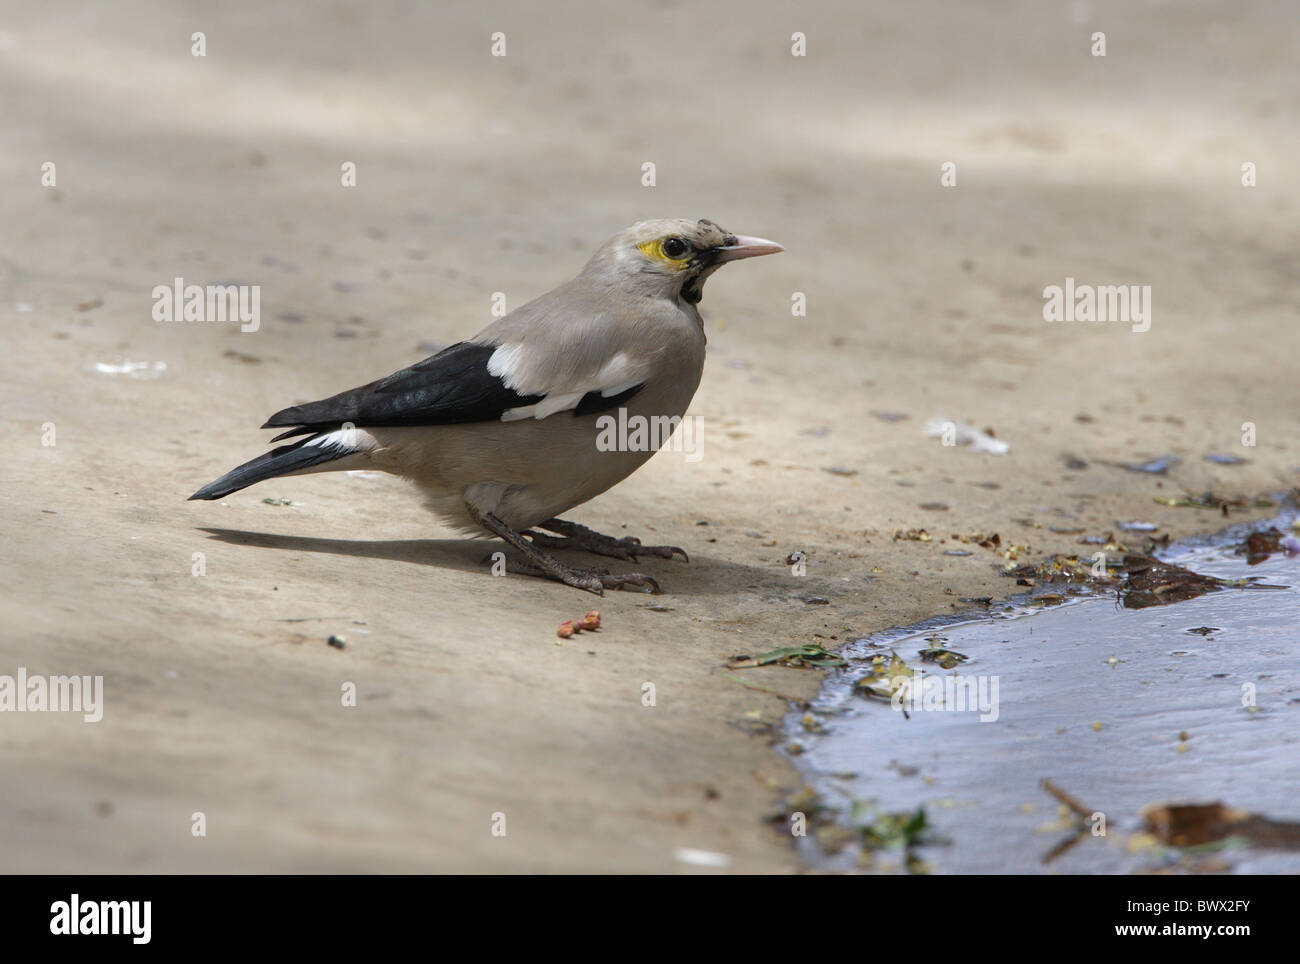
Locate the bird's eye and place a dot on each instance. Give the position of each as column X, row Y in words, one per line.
column 675, row 248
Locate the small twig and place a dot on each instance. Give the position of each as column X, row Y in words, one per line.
column 1065, row 844
column 1080, row 811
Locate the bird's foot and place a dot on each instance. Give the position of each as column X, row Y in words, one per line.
column 598, row 580
column 574, row 536
column 540, row 563
column 621, row 580
column 592, row 580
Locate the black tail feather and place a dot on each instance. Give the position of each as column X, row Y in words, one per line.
column 278, row 461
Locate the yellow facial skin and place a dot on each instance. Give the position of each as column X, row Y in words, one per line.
column 655, row 251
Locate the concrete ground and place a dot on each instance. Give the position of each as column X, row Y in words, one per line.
column 478, row 174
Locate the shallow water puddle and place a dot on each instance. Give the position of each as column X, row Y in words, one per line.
column 1119, row 708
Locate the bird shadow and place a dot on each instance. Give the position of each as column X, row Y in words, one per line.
column 702, row 576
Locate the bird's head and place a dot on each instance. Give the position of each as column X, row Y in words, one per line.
column 671, row 258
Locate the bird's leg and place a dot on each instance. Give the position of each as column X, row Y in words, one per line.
column 574, row 536
column 538, row 562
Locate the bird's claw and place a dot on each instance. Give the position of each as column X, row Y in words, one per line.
column 572, row 536
column 598, row 580
column 629, row 548
column 662, row 552
column 622, row 579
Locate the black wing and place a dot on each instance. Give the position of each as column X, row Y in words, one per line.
column 452, row 386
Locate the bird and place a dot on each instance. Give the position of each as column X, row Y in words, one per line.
column 501, row 432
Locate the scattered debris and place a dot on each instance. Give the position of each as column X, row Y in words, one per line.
column 1146, row 581
column 1060, row 569
column 1080, row 824
column 912, row 535
column 1198, row 824
column 278, row 501
column 1220, row 459
column 811, row 724
column 963, row 434
column 1151, row 582
column 946, row 658
column 1258, row 546
column 132, row 369
column 892, row 831
column 809, row 655
column 1158, row 466
column 338, row 641
column 1012, row 553
column 589, row 622
column 890, row 416
column 806, row 806
column 1078, row 809
column 1208, row 500
column 701, row 858
column 888, row 675
column 1203, row 630
column 1205, row 501
column 840, row 470
column 983, row 540
column 1137, row 526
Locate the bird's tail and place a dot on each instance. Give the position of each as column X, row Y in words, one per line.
column 307, row 455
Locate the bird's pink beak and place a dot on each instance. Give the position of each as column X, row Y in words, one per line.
column 746, row 247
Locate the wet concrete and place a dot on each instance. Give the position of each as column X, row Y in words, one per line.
column 1119, row 708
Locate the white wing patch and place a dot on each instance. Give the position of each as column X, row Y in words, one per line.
column 503, row 364
column 618, row 370
column 614, row 377
column 547, row 406
column 348, row 439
